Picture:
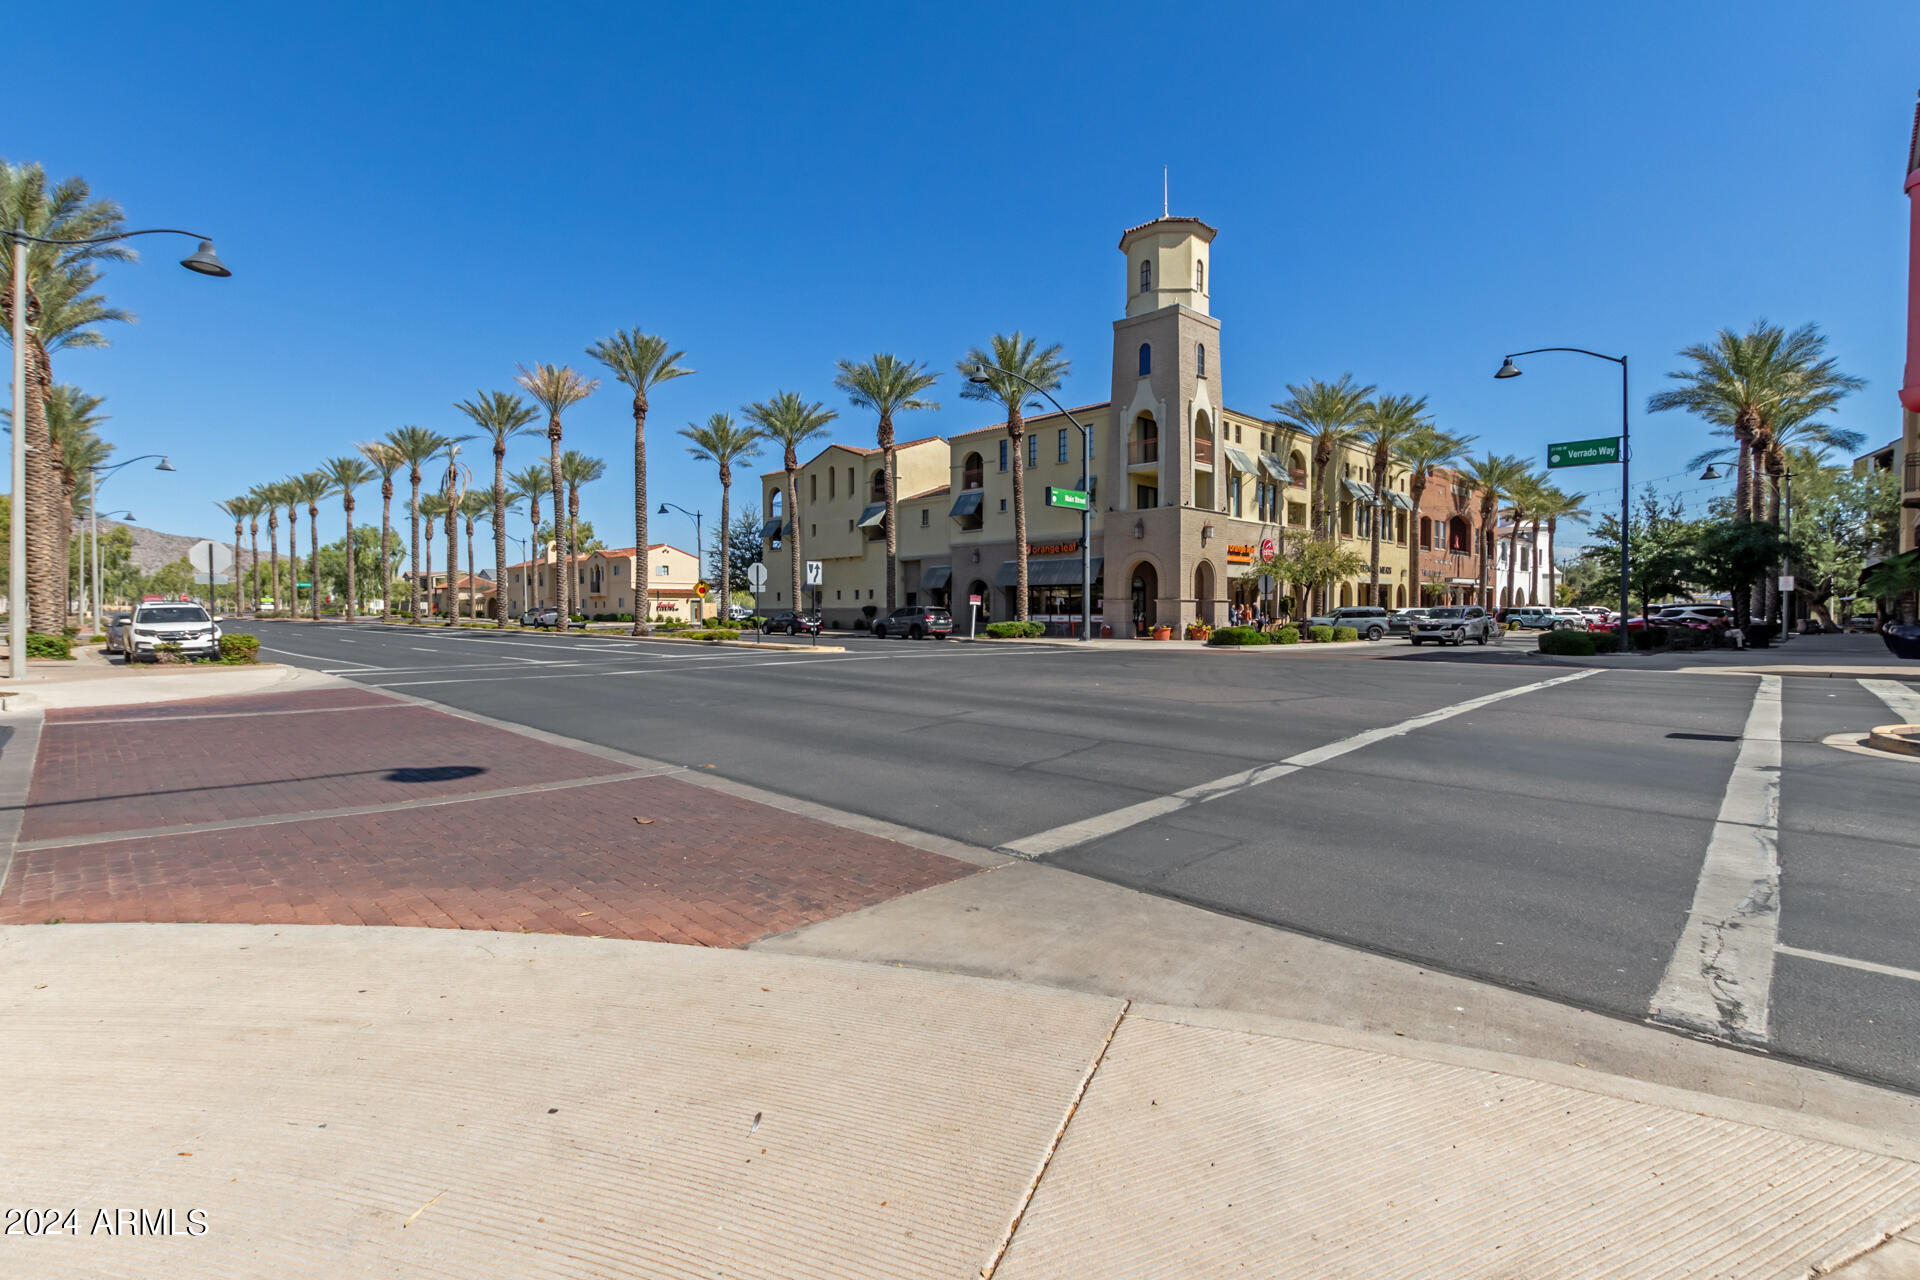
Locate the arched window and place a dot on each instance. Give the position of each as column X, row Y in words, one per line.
column 879, row 487
column 1146, row 274
column 1199, row 275
column 1426, row 531
column 970, row 477
column 773, row 503
column 1146, row 359
column 1200, row 358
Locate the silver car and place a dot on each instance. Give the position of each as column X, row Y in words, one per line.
column 1456, row 624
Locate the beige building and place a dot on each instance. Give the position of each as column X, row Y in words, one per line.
column 604, row 583
column 1187, row 493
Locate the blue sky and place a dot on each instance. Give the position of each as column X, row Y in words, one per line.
column 414, row 198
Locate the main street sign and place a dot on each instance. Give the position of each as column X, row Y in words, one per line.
column 1073, row 498
column 1584, row 453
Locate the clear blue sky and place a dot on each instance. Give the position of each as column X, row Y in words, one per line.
column 415, row 197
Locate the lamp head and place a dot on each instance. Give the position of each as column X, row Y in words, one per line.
column 662, row 511
column 979, row 376
column 1508, row 369
column 205, row 261
column 164, row 465
column 1712, row 472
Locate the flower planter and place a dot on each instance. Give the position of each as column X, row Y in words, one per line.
column 1163, row 633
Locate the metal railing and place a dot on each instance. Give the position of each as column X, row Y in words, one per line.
column 1143, row 451
column 1203, row 451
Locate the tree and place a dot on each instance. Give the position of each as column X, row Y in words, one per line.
column 255, row 505
column 576, row 469
column 790, row 421
column 288, row 492
column 1660, row 545
column 500, row 415
column 1551, row 506
column 237, row 509
column 386, row 460
column 62, row 313
column 1310, row 564
column 887, row 385
column 1524, row 491
column 345, row 474
column 743, row 546
column 174, row 579
column 1389, row 423
column 1839, row 521
column 1729, row 553
column 271, row 500
column 530, row 483
column 414, row 447
column 310, row 488
column 1423, row 452
column 433, row 508
column 723, row 442
column 1893, row 583
column 453, row 492
column 368, row 565
column 474, row 504
column 1043, row 369
column 1493, row 475
column 73, row 422
column 1330, row 412
column 581, row 531
column 557, row 389
column 640, row 360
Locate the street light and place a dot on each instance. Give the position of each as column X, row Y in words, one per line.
column 93, row 487
column 1510, row 370
column 981, row 376
column 699, row 554
column 202, row 261
column 93, row 597
column 1712, row 472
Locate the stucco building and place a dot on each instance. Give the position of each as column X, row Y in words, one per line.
column 604, row 582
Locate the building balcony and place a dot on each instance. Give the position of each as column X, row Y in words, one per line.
column 1143, row 453
column 1203, row 453
column 1297, row 476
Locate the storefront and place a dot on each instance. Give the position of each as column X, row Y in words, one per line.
column 1053, row 591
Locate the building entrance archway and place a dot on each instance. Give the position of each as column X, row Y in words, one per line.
column 1203, row 604
column 979, row 588
column 1144, row 588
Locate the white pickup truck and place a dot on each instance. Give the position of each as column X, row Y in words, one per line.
column 185, row 625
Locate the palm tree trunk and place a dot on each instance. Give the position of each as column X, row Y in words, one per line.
column 1373, row 523
column 473, row 602
column 1016, row 431
column 1317, row 597
column 413, row 556
column 353, row 598
column 499, row 609
column 386, row 574
column 313, row 538
column 793, row 518
column 1553, row 540
column 1417, row 589
column 453, row 561
column 726, row 563
column 273, row 559
column 1513, row 558
column 1533, row 575
column 429, row 569
column 559, row 506
column 293, row 558
column 253, row 546
column 1484, row 547
column 643, row 563
column 46, row 579
column 573, row 546
column 239, row 578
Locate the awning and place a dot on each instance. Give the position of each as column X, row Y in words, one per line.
column 935, row 576
column 967, row 504
column 873, row 515
column 1358, row 489
column 772, row 528
column 1242, row 460
column 1274, row 468
column 1055, row 571
column 1399, row 500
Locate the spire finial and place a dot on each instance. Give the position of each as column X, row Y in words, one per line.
column 1163, row 191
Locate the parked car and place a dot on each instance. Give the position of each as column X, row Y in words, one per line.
column 1597, row 615
column 1861, row 622
column 1692, row 613
column 1456, row 624
column 116, row 632
column 546, row 619
column 915, row 621
column 1571, row 620
column 186, row 625
column 1529, row 617
column 1400, row 623
column 792, row 623
column 1370, row 620
column 739, row 613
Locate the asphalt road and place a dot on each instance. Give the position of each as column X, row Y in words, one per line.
column 1536, row 826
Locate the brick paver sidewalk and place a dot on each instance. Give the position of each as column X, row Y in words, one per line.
column 348, row 807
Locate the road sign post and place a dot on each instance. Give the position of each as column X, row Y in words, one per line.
column 1071, row 499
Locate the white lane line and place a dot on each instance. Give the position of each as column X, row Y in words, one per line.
column 1899, row 696
column 1720, row 979
column 1100, row 825
column 344, row 640
column 295, row 653
column 1827, row 957
column 604, row 674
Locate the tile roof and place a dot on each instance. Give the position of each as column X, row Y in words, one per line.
column 924, row 493
column 1211, row 230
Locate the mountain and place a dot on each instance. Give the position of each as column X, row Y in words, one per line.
column 153, row 550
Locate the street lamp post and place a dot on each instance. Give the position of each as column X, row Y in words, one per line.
column 203, row 261
column 94, row 597
column 699, row 556
column 1509, row 370
column 93, row 483
column 526, row 571
column 980, row 377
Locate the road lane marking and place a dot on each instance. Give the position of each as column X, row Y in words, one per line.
column 1899, row 697
column 1720, row 979
column 294, row 653
column 1101, row 825
column 1827, row 957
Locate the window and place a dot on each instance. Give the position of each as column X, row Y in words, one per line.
column 1146, row 359
column 1199, row 275
column 1033, row 450
column 1003, row 504
column 1003, row 455
column 616, row 569
column 660, row 570
column 829, row 482
column 970, row 472
column 813, row 488
column 851, row 490
column 1063, row 444
column 1200, row 359
column 1426, row 532
column 1146, row 495
column 924, row 516
column 1146, row 274
column 1233, row 495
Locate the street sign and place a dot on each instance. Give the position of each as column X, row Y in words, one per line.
column 700, row 588
column 1075, row 499
column 1266, row 584
column 973, row 600
column 221, row 552
column 1266, row 551
column 816, row 573
column 757, row 575
column 1786, row 582
column 1584, row 453
column 303, row 584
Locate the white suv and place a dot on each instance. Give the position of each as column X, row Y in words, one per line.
column 185, row 625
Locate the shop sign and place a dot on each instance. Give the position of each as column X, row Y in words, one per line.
column 1239, row 554
column 1052, row 548
column 1266, row 548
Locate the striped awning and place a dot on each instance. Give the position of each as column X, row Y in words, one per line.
column 873, row 515
column 1359, row 489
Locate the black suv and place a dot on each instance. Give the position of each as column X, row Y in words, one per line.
column 915, row 622
column 792, row 623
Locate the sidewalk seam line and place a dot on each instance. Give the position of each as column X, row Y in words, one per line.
column 16, row 785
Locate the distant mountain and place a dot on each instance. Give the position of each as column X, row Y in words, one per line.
column 154, row 550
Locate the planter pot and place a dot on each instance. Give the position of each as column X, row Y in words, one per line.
column 1163, row 633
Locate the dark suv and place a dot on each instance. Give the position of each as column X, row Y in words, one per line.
column 1371, row 621
column 792, row 623
column 915, row 621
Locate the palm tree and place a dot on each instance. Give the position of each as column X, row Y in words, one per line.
column 385, row 460
column 1423, row 453
column 415, row 446
column 73, row 422
column 790, row 422
column 288, row 492
column 432, row 507
column 271, row 502
column 1523, row 494
column 558, row 388
column 530, row 482
column 1550, row 507
column 1044, row 369
column 62, row 313
column 255, row 505
column 1389, row 422
column 310, row 488
column 345, row 474
column 454, row 492
column 887, row 385
column 475, row 504
column 640, row 360
column 500, row 415
column 724, row 442
column 576, row 469
column 1493, row 475
column 1330, row 412
column 237, row 508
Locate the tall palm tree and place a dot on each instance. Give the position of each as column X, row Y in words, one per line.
column 576, row 469
column 1493, row 475
column 530, row 482
column 310, row 488
column 496, row 517
column 723, row 442
column 385, row 460
column 1044, row 368
column 1389, row 421
column 642, row 361
column 557, row 388
column 433, row 508
column 254, row 507
column 1423, row 453
column 62, row 313
column 73, row 426
column 790, row 421
column 289, row 495
column 887, row 385
column 500, row 415
column 415, row 447
column 237, row 509
column 1330, row 412
column 475, row 504
column 1523, row 494
column 345, row 474
column 454, row 491
column 271, row 502
column 1550, row 507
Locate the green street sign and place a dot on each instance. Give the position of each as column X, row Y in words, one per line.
column 303, row 584
column 1074, row 498
column 1584, row 453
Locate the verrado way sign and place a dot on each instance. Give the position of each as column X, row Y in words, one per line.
column 1584, row 453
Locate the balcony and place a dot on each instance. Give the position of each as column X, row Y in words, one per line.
column 1910, row 485
column 1203, row 453
column 1143, row 453
column 1297, row 476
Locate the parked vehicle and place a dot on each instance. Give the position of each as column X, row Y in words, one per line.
column 116, row 632
column 1401, row 622
column 545, row 619
column 1456, row 624
column 187, row 626
column 792, row 623
column 1370, row 620
column 1571, row 620
column 915, row 621
column 1597, row 615
column 1692, row 613
column 739, row 613
column 1528, row 617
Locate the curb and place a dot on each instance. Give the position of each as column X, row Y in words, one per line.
column 1899, row 739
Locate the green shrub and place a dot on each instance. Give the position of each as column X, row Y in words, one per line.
column 238, row 649
column 1569, row 644
column 1648, row 637
column 1344, row 633
column 1320, row 635
column 712, row 633
column 1015, row 630
column 45, row 646
column 1237, row 636
column 1287, row 635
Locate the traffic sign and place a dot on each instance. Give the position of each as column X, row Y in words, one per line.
column 303, row 584
column 816, row 573
column 197, row 555
column 1584, row 453
column 1074, row 499
column 700, row 588
column 757, row 575
column 1266, row 584
column 973, row 600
